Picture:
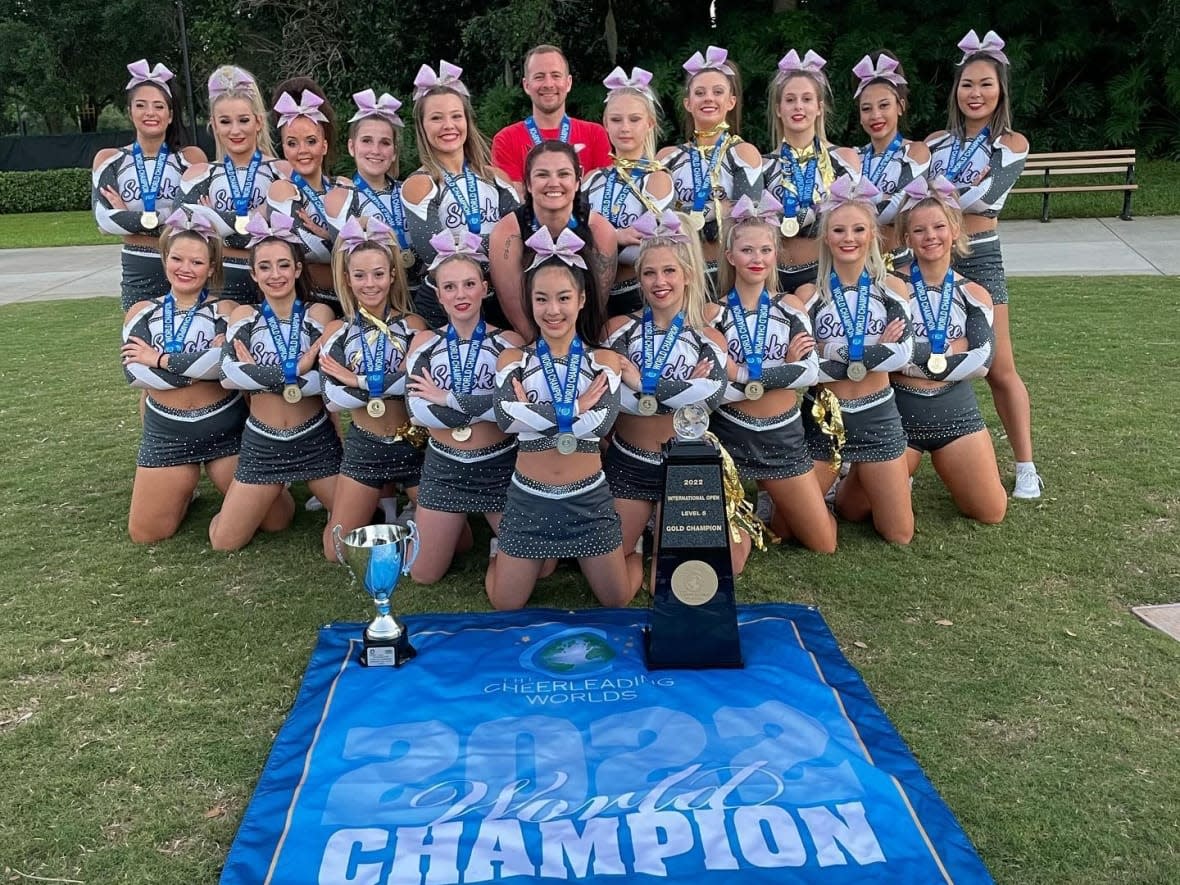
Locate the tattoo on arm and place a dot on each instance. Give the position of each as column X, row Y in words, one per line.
column 508, row 244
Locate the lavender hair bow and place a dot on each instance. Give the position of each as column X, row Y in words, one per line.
column 768, row 209
column 618, row 79
column 197, row 219
column 812, row 63
column 141, row 73
column 308, row 106
column 667, row 226
column 851, row 189
column 885, row 69
column 279, row 226
column 448, row 75
column 223, row 82
column 353, row 235
column 713, row 60
column 564, row 248
column 919, row 189
column 991, row 45
column 369, row 105
column 448, row 244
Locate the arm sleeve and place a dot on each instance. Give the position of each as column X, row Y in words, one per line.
column 138, row 375
column 801, row 373
column 340, row 397
column 989, row 193
column 515, row 416
column 981, row 338
column 238, row 375
column 674, row 393
column 911, row 169
column 119, row 222
column 880, row 357
column 747, row 180
column 596, row 421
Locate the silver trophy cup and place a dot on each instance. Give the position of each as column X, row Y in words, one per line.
column 378, row 555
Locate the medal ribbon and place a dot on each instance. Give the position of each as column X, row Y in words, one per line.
column 959, row 156
column 935, row 330
column 563, row 133
column 309, row 193
column 463, row 376
column 653, row 360
column 242, row 194
column 288, row 351
column 615, row 183
column 563, row 396
column 854, row 332
column 866, row 159
column 395, row 215
column 802, row 180
column 149, row 192
column 373, row 362
column 470, row 206
column 702, row 178
column 753, row 349
column 174, row 340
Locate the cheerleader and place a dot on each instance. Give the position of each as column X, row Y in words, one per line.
column 450, row 388
column 553, row 200
column 772, row 361
column 456, row 187
column 861, row 317
column 715, row 167
column 672, row 357
column 237, row 182
column 953, row 343
column 272, row 352
column 560, row 397
column 363, row 364
column 801, row 170
column 983, row 156
column 634, row 183
column 136, row 186
column 171, row 350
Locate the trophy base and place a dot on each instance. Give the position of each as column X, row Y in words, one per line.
column 679, row 656
column 391, row 652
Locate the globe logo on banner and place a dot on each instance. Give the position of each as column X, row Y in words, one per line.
column 571, row 652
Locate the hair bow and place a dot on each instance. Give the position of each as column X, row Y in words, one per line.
column 375, row 231
column 713, row 60
column 767, row 209
column 197, row 219
column 453, row 244
column 812, row 63
column 564, row 248
column 141, row 73
column 851, row 189
column 448, row 75
column 667, row 226
column 991, row 45
column 307, row 106
column 226, row 80
column 279, row 226
column 618, row 79
column 885, row 69
column 919, row 189
column 369, row 105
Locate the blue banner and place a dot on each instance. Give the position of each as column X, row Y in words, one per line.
column 536, row 746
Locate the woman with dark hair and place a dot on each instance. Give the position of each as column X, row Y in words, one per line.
column 983, row 156
column 135, row 187
column 553, row 200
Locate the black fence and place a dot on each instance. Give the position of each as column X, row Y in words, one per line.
column 26, row 153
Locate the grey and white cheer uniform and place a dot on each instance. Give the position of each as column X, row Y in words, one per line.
column 316, row 249
column 891, row 172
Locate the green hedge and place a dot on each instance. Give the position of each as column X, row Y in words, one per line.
column 55, row 190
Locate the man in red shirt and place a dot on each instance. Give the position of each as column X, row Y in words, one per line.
column 547, row 82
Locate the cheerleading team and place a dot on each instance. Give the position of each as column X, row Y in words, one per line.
column 236, row 183
column 134, row 188
column 560, row 397
column 363, row 366
column 271, row 351
column 634, row 183
column 983, row 157
column 450, row 390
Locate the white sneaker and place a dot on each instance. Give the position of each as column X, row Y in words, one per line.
column 764, row 508
column 493, row 548
column 1028, row 485
column 313, row 503
column 388, row 509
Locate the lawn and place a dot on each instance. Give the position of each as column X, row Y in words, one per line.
column 141, row 687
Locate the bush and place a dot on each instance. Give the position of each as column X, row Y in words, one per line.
column 55, row 190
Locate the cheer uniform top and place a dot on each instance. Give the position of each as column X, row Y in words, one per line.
column 675, row 387
column 621, row 197
column 831, row 339
column 118, row 172
column 968, row 319
column 511, row 145
column 461, row 409
column 777, row 173
column 265, row 374
column 214, row 185
column 890, row 172
column 346, row 347
column 317, row 249
column 198, row 360
column 732, row 177
column 979, row 193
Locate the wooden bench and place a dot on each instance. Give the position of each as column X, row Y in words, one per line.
column 1081, row 163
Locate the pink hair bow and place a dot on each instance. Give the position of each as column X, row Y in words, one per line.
column 811, row 63
column 279, row 226
column 376, row 231
column 448, row 75
column 222, row 82
column 141, row 73
column 369, row 105
column 618, row 79
column 768, row 209
column 713, row 60
column 307, row 106
column 885, row 69
column 919, row 189
column 564, row 248
column 197, row 219
column 667, row 226
column 847, row 190
column 991, row 45
column 451, row 244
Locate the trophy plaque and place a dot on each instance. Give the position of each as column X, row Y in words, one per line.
column 378, row 555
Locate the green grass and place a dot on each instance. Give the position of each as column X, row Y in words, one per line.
column 51, row 229
column 141, row 687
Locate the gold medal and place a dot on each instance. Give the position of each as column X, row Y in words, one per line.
column 567, row 443
column 240, row 222
column 696, row 220
column 857, row 371
column 149, row 220
column 292, row 393
column 754, row 390
column 461, row 434
column 936, row 364
column 648, row 405
column 789, row 226
column 409, row 259
column 376, row 407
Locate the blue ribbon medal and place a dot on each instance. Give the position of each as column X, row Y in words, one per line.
column 241, row 194
column 173, row 337
column 702, row 179
column 463, row 371
column 563, row 133
column 149, row 191
column 866, row 159
column 936, row 328
column 563, row 396
column 753, row 349
column 854, row 331
column 960, row 156
column 394, row 216
column 287, row 350
column 469, row 206
column 653, row 360
column 373, row 363
column 311, row 196
column 802, row 179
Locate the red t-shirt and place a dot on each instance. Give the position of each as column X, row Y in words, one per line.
column 513, row 143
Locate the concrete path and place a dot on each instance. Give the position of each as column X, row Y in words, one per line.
column 1066, row 247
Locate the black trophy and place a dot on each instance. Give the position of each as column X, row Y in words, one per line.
column 693, row 612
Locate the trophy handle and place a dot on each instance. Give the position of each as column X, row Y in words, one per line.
column 337, row 541
column 412, row 545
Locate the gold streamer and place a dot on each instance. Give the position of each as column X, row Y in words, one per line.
column 827, row 172
column 826, row 412
column 413, row 434
column 738, row 511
